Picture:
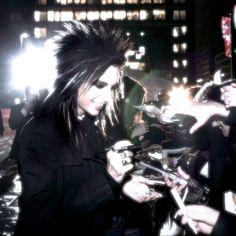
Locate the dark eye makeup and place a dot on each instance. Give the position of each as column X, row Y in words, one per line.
column 100, row 84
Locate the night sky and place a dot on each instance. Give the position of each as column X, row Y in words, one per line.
column 208, row 16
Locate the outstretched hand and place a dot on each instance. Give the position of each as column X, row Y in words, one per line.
column 139, row 189
column 201, row 111
column 203, row 216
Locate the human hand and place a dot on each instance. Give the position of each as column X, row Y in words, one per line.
column 204, row 217
column 177, row 183
column 139, row 189
column 119, row 162
column 201, row 111
column 228, row 95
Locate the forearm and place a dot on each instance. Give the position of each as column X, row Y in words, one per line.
column 216, row 108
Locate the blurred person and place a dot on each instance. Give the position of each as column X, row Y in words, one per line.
column 21, row 112
column 209, row 220
column 19, row 115
column 1, row 124
column 69, row 183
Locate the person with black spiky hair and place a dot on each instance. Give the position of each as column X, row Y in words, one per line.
column 68, row 184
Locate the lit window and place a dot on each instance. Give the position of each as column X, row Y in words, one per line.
column 93, row 15
column 183, row 47
column 133, row 15
column 37, row 16
column 175, row 64
column 119, row 1
column 142, row 50
column 132, row 1
column 42, row 2
column 179, row 15
column 175, row 32
column 64, row 2
column 57, row 16
column 175, row 48
column 51, row 16
column 138, row 56
column 40, row 32
column 143, row 15
column 158, row 1
column 179, row 31
column 66, row 16
column 104, row 2
column 183, row 29
column 185, row 80
column 176, row 80
column 184, row 63
column 159, row 14
column 79, row 1
column 146, row 1
column 119, row 15
column 40, row 16
column 80, row 15
column 105, row 15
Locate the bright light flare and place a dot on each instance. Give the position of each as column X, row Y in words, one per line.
column 34, row 68
column 179, row 96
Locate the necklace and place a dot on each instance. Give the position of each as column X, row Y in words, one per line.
column 81, row 117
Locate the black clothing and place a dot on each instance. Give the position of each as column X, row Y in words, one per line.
column 226, row 222
column 231, row 118
column 16, row 122
column 225, row 225
column 64, row 192
column 17, row 119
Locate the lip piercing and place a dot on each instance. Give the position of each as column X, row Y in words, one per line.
column 125, row 162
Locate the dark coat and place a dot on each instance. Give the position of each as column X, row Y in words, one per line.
column 17, row 119
column 63, row 191
column 226, row 223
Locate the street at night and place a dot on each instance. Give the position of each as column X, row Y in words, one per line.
column 117, row 117
column 9, row 188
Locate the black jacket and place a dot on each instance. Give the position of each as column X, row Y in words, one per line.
column 226, row 223
column 63, row 191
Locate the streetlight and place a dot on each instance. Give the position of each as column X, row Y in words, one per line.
column 23, row 36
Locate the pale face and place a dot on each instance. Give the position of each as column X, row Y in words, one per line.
column 94, row 99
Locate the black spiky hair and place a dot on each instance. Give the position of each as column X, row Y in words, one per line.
column 84, row 52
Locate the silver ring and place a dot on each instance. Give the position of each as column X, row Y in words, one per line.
column 150, row 192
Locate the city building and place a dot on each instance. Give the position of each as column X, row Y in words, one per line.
column 162, row 30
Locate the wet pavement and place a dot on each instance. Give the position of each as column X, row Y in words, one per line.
column 10, row 188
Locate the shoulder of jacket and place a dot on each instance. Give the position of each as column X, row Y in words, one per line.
column 40, row 125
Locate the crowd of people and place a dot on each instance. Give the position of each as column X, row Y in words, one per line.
column 75, row 161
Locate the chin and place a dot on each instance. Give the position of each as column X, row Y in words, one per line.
column 94, row 113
